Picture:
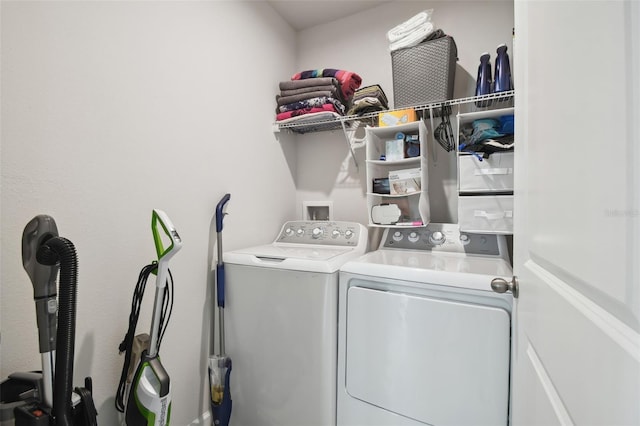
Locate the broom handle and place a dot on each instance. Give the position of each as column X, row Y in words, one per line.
column 220, row 279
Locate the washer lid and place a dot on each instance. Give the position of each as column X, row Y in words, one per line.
column 294, row 257
column 293, row 251
column 453, row 269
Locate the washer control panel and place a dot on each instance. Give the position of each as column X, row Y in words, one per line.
column 442, row 237
column 320, row 232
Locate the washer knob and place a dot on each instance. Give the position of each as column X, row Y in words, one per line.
column 335, row 233
column 437, row 238
column 317, row 232
column 288, row 232
column 397, row 236
column 413, row 237
column 300, row 232
column 464, row 239
column 348, row 234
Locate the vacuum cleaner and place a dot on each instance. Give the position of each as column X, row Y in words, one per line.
column 144, row 391
column 47, row 397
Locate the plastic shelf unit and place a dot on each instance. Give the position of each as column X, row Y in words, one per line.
column 406, row 203
column 485, row 186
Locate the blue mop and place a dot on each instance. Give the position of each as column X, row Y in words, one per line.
column 220, row 365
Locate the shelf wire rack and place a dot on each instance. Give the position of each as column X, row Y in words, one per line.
column 349, row 124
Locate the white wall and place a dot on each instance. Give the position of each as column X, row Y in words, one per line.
column 358, row 43
column 111, row 109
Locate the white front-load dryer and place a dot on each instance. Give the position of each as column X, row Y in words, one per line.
column 281, row 313
column 423, row 340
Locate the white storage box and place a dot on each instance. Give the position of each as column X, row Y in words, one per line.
column 405, row 182
column 493, row 174
column 489, row 214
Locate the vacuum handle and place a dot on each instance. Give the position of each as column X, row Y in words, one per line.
column 46, row 318
column 162, row 272
column 160, row 218
column 219, row 211
column 43, row 277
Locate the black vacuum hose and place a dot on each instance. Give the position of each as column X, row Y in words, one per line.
column 52, row 251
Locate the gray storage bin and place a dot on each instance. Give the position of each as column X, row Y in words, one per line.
column 424, row 73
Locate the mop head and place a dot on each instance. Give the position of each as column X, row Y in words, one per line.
column 218, row 366
column 219, row 372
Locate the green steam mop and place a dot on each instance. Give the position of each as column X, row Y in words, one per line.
column 149, row 389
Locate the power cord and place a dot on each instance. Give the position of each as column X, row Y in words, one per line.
column 127, row 343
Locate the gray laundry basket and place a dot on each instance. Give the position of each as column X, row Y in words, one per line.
column 424, row 73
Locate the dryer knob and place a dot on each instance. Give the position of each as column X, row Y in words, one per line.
column 300, row 232
column 437, row 238
column 413, row 237
column 288, row 232
column 348, row 234
column 397, row 236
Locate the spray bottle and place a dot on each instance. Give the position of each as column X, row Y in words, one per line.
column 503, row 71
column 483, row 81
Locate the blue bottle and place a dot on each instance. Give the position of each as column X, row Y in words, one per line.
column 483, row 81
column 503, row 71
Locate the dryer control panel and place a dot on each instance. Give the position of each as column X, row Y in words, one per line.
column 442, row 237
column 334, row 233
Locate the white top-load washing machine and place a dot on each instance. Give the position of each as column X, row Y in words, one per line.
column 423, row 340
column 281, row 313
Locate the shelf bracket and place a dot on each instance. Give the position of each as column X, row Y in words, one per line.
column 353, row 142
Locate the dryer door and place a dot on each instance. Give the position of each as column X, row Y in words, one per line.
column 434, row 361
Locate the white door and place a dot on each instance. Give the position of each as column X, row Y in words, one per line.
column 577, row 213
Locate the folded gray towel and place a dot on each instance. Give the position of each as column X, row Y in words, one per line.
column 308, row 82
column 291, row 92
column 283, row 100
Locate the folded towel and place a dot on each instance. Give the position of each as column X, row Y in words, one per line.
column 370, row 100
column 374, row 91
column 298, row 112
column 313, row 121
column 365, row 105
column 408, row 26
column 283, row 100
column 293, row 92
column 313, row 102
column 297, row 84
column 413, row 38
column 349, row 81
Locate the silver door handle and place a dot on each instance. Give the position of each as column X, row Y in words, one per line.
column 500, row 285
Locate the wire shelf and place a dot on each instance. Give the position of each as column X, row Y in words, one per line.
column 350, row 123
column 371, row 118
column 321, row 125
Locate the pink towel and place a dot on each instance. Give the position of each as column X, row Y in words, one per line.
column 349, row 81
column 297, row 112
